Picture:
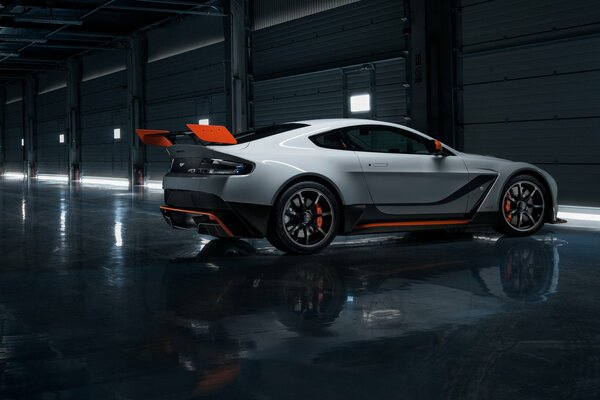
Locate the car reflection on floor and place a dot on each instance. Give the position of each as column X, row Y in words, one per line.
column 338, row 309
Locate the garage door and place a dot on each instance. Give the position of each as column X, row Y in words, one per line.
column 326, row 94
column 52, row 155
column 530, row 88
column 103, row 108
column 14, row 134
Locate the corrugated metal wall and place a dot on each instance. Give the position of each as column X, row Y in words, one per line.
column 325, row 94
column 103, row 108
column 530, row 77
column 52, row 156
column 267, row 13
column 14, row 134
column 327, row 46
column 180, row 90
column 360, row 32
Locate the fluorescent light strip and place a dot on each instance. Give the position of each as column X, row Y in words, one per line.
column 53, row 177
column 154, row 185
column 98, row 180
column 578, row 216
column 14, row 175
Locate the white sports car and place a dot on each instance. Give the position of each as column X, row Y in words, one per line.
column 300, row 184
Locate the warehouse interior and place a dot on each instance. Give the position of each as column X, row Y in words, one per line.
column 99, row 298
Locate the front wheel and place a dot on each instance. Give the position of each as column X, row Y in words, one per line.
column 522, row 207
column 305, row 219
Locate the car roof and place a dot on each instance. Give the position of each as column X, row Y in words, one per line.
column 346, row 122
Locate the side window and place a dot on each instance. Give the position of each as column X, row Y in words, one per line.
column 331, row 140
column 385, row 140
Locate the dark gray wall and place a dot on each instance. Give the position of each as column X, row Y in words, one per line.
column 325, row 94
column 307, row 68
column 52, row 156
column 531, row 73
column 103, row 108
column 360, row 32
column 14, row 133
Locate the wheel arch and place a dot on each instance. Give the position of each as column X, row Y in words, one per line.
column 536, row 174
column 311, row 177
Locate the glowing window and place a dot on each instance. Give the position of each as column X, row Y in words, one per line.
column 360, row 103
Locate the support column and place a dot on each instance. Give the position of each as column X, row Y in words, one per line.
column 417, row 62
column 31, row 91
column 2, row 129
column 441, row 69
column 74, row 119
column 136, row 65
column 237, row 62
column 433, row 69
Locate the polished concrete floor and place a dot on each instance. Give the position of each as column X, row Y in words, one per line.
column 99, row 299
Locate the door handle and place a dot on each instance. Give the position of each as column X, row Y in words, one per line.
column 380, row 164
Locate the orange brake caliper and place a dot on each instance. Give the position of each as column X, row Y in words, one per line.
column 319, row 219
column 507, row 209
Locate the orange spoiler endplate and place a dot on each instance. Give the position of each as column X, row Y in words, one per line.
column 206, row 133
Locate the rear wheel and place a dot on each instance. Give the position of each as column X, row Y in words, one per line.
column 305, row 219
column 523, row 207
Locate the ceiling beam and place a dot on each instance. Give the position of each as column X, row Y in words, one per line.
column 47, row 21
column 4, row 67
column 75, row 46
column 22, row 39
column 58, row 4
column 214, row 13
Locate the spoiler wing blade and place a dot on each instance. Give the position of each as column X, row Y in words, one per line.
column 154, row 137
column 206, row 133
column 212, row 133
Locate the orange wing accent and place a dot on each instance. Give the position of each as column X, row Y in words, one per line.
column 438, row 146
column 212, row 133
column 154, row 137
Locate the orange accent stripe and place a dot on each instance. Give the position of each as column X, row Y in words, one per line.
column 414, row 223
column 212, row 133
column 211, row 216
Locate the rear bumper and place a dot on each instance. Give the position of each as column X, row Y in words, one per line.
column 208, row 214
column 201, row 221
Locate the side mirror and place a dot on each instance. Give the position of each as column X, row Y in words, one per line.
column 436, row 147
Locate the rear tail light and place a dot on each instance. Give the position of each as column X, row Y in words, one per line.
column 210, row 166
column 223, row 167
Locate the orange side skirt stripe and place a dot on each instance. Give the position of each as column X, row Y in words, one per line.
column 413, row 223
column 210, row 216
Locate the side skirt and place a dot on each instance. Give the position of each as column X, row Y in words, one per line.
column 364, row 223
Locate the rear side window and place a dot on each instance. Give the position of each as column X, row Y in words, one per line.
column 267, row 131
column 385, row 140
column 331, row 140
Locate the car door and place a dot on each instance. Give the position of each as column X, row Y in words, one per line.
column 404, row 177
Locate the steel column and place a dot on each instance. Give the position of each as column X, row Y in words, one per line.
column 417, row 65
column 74, row 119
column 236, row 30
column 136, row 63
column 2, row 128
column 31, row 91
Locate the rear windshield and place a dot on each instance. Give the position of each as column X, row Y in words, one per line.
column 261, row 133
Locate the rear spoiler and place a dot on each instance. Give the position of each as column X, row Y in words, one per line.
column 204, row 133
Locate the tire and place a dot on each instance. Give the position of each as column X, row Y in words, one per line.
column 305, row 219
column 523, row 205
